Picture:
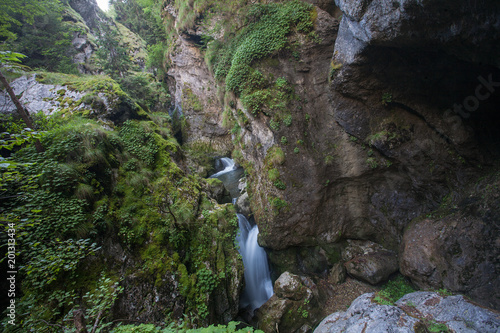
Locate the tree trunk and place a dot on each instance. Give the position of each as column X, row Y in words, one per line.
column 22, row 112
column 79, row 321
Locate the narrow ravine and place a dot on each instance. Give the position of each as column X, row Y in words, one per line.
column 258, row 284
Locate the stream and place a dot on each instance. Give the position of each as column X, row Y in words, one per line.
column 258, row 284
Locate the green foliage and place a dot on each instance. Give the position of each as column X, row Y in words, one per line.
column 191, row 101
column 139, row 142
column 278, row 204
column 144, row 17
column 329, row 159
column 386, row 99
column 273, row 174
column 393, row 291
column 280, row 184
column 287, row 120
column 13, row 13
column 372, row 162
column 92, row 184
column 296, row 150
column 274, row 125
column 435, row 327
column 231, row 327
column 275, row 156
column 284, row 140
column 157, row 58
column 146, row 90
column 112, row 56
column 46, row 40
column 265, row 34
column 48, row 261
column 334, row 67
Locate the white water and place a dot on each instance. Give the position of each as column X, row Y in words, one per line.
column 228, row 165
column 258, row 284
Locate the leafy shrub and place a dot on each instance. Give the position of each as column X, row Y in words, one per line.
column 139, row 141
column 273, row 174
column 149, row 328
column 393, row 291
column 275, row 156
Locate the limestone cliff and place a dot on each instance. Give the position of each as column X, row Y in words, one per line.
column 391, row 107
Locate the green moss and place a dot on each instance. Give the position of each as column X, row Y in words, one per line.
column 278, row 204
column 191, row 101
column 393, row 291
column 275, row 156
column 267, row 33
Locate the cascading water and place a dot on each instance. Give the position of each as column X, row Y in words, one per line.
column 228, row 165
column 258, row 284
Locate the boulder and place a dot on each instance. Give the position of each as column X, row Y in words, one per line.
column 457, row 248
column 111, row 106
column 216, row 190
column 243, row 205
column 456, row 312
column 369, row 261
column 457, row 253
column 365, row 316
column 374, row 267
column 37, row 97
column 415, row 312
column 292, row 308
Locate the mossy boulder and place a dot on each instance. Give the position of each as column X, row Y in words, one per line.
column 292, row 308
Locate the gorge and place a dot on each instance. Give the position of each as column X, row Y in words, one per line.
column 364, row 132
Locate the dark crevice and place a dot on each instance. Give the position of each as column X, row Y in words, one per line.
column 421, row 117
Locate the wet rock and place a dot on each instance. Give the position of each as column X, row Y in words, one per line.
column 242, row 185
column 458, row 248
column 448, row 23
column 293, row 307
column 195, row 97
column 415, row 312
column 290, row 286
column 243, row 205
column 356, row 248
column 455, row 253
column 215, row 190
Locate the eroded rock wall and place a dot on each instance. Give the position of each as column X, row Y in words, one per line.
column 395, row 107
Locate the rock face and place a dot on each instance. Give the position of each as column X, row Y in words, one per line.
column 395, row 107
column 111, row 106
column 415, row 312
column 458, row 252
column 37, row 97
column 195, row 97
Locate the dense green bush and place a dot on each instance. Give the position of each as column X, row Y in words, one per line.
column 266, row 33
column 92, row 183
column 46, row 41
column 230, row 328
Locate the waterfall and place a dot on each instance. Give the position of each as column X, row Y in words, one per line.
column 228, row 165
column 258, row 284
